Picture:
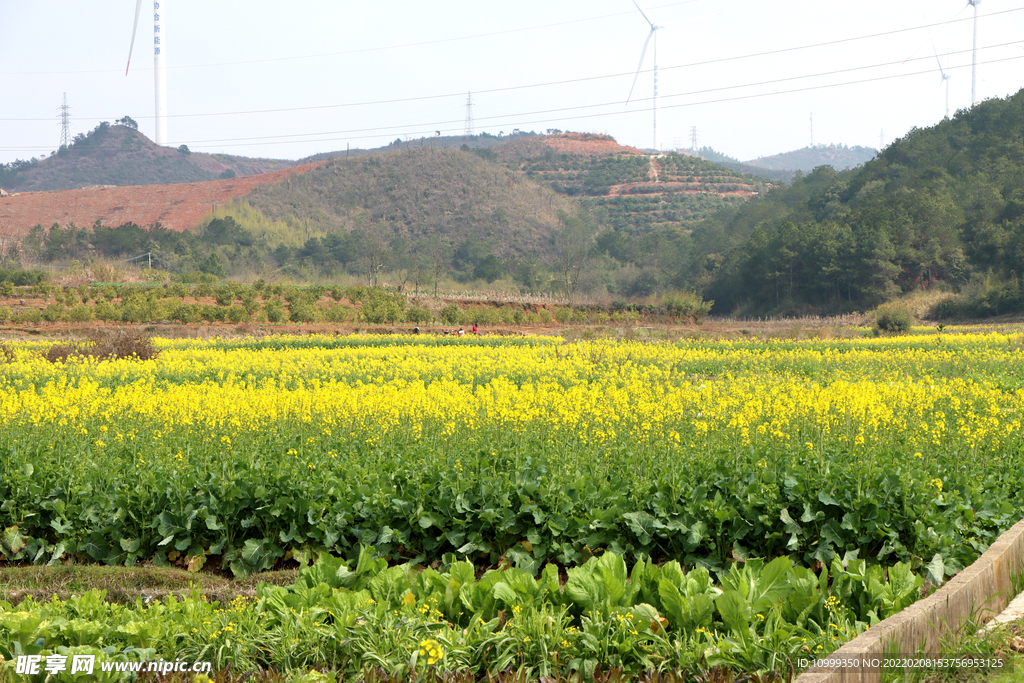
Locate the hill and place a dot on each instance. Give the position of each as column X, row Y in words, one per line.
column 176, row 207
column 941, row 208
column 625, row 188
column 419, row 193
column 120, row 155
column 839, row 157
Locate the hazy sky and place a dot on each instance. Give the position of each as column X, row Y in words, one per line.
column 286, row 80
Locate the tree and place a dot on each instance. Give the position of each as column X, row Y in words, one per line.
column 129, row 122
column 373, row 252
column 439, row 256
column 573, row 246
column 488, row 269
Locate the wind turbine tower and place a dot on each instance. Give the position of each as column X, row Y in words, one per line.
column 159, row 64
column 974, row 53
column 643, row 53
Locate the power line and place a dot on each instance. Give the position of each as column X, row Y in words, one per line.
column 378, row 132
column 571, row 80
column 502, row 117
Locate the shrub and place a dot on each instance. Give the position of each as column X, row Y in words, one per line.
column 450, row 314
column 6, row 288
column 336, row 313
column 79, row 314
column 688, row 305
column 382, row 306
column 31, row 316
column 419, row 314
column 211, row 314
column 303, row 312
column 544, row 316
column 184, row 313
column 106, row 345
column 893, row 318
column 224, row 295
column 563, row 314
column 236, row 314
column 53, row 313
column 5, row 314
column 274, row 311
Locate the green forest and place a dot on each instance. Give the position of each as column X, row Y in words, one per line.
column 942, row 208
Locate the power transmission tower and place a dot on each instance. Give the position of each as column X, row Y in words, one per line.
column 693, row 138
column 469, row 113
column 65, row 123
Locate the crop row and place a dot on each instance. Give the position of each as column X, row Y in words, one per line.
column 253, row 450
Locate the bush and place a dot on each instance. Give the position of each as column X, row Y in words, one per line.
column 33, row 316
column 303, row 312
column 382, row 306
column 687, row 305
column 106, row 346
column 419, row 314
column 53, row 313
column 22, row 278
column 274, row 311
column 450, row 314
column 79, row 314
column 893, row 318
column 5, row 314
column 563, row 314
column 224, row 295
column 336, row 313
column 184, row 313
column 236, row 314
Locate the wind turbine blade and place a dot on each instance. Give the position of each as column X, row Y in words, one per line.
column 939, row 61
column 643, row 53
column 135, row 27
column 642, row 13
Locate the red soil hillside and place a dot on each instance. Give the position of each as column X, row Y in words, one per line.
column 582, row 144
column 176, row 207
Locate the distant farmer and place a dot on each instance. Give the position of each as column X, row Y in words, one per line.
column 461, row 332
column 474, row 328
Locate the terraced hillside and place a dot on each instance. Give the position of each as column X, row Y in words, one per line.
column 633, row 191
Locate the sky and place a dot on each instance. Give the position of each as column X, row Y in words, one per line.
column 749, row 78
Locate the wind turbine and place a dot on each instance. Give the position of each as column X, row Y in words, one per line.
column 643, row 53
column 160, row 66
column 945, row 79
column 974, row 53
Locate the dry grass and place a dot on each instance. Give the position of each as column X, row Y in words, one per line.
column 106, row 345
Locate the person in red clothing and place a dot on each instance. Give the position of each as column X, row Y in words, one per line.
column 474, row 328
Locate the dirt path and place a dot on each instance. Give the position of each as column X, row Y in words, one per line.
column 655, row 169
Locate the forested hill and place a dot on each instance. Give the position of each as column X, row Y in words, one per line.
column 420, row 194
column 839, row 157
column 120, row 155
column 939, row 207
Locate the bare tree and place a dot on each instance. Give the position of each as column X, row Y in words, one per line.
column 574, row 245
